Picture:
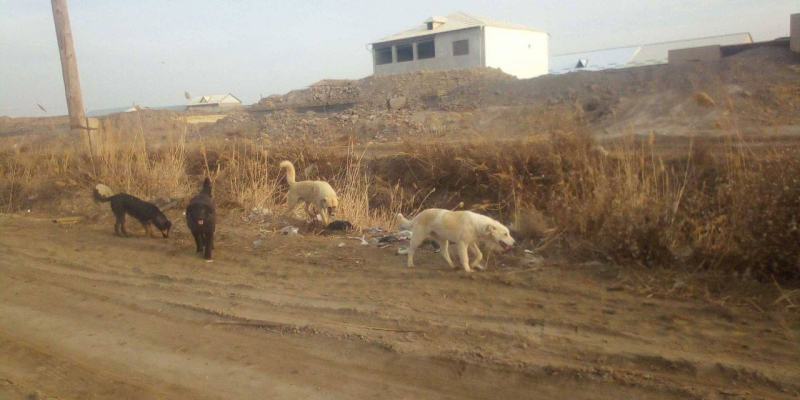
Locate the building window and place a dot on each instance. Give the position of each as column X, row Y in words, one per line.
column 405, row 52
column 426, row 50
column 461, row 47
column 383, row 56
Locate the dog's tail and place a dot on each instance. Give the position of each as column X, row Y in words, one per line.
column 102, row 193
column 289, row 172
column 206, row 187
column 403, row 223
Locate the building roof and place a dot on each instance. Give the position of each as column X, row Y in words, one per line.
column 638, row 55
column 211, row 99
column 453, row 22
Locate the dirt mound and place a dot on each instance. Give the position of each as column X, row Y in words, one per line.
column 758, row 86
column 358, row 123
column 374, row 92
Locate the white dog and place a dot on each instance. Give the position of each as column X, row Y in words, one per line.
column 464, row 228
column 317, row 193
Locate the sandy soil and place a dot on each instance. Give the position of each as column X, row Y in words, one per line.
column 84, row 314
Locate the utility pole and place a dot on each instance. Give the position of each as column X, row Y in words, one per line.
column 72, row 84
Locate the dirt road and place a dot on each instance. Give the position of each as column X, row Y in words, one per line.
column 84, row 314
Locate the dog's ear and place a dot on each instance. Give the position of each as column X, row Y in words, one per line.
column 490, row 228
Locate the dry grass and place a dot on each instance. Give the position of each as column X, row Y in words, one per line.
column 731, row 210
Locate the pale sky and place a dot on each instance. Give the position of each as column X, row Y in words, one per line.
column 149, row 52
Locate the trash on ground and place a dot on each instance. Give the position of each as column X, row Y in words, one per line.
column 363, row 241
column 339, row 226
column 290, row 230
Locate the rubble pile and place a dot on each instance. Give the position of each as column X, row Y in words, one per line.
column 416, row 90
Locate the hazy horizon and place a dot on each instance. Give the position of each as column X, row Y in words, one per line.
column 149, row 52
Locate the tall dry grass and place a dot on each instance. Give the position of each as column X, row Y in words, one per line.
column 717, row 205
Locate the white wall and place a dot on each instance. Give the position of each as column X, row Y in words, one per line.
column 444, row 54
column 517, row 52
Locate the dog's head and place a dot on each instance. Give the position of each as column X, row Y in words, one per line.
column 163, row 224
column 199, row 214
column 499, row 235
column 331, row 203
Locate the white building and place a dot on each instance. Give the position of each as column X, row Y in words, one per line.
column 214, row 101
column 460, row 40
column 638, row 55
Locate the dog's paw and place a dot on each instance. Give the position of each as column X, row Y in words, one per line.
column 479, row 267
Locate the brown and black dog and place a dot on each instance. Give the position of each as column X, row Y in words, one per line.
column 146, row 213
column 201, row 218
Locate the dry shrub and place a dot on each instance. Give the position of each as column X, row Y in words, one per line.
column 749, row 222
column 735, row 211
column 352, row 186
column 247, row 178
column 131, row 167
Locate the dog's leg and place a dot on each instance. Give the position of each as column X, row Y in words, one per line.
column 311, row 214
column 209, row 242
column 291, row 203
column 463, row 254
column 148, row 227
column 416, row 241
column 444, row 245
column 198, row 240
column 117, row 228
column 478, row 257
column 323, row 212
column 124, row 231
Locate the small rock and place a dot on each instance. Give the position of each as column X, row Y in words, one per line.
column 398, row 102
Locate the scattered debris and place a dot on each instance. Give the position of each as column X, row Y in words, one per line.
column 340, row 245
column 290, row 230
column 257, row 214
column 339, row 226
column 374, row 230
column 400, row 236
column 363, row 241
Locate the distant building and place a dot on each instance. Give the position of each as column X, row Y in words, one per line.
column 639, row 55
column 213, row 101
column 109, row 111
column 461, row 40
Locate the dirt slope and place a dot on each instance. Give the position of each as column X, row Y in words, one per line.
column 85, row 314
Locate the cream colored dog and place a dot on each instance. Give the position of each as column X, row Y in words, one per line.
column 464, row 228
column 317, row 193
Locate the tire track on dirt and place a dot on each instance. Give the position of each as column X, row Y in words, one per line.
column 521, row 329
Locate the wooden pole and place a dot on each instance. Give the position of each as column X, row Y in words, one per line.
column 69, row 64
column 72, row 83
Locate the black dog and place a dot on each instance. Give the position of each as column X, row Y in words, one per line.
column 200, row 216
column 146, row 213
